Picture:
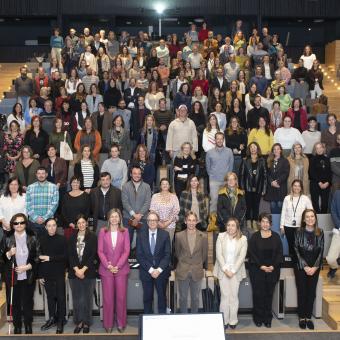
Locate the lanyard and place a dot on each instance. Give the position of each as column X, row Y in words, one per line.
column 294, row 209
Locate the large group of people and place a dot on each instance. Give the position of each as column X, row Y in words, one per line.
column 172, row 140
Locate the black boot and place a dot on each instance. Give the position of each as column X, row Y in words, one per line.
column 28, row 328
column 49, row 324
column 17, row 330
column 60, row 329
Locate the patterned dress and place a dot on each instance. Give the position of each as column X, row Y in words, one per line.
column 12, row 146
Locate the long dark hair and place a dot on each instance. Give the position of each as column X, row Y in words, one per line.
column 12, row 179
column 317, row 230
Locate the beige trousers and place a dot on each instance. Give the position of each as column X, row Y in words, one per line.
column 334, row 252
column 229, row 299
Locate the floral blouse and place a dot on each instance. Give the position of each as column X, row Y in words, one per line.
column 12, row 146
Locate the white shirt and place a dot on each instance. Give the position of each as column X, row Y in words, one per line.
column 9, row 207
column 230, row 254
column 310, row 138
column 287, row 137
column 308, row 60
column 291, row 204
column 267, row 71
column 150, row 237
column 114, row 238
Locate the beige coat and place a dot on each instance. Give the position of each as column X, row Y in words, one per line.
column 188, row 262
column 291, row 176
column 241, row 252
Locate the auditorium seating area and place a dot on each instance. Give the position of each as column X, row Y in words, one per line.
column 207, row 82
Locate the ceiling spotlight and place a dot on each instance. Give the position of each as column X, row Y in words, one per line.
column 159, row 7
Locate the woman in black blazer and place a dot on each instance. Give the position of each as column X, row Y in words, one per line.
column 86, row 161
column 265, row 256
column 277, row 174
column 82, row 251
column 22, row 248
column 309, row 247
column 253, row 180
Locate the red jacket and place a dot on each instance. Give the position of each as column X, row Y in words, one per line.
column 303, row 118
column 203, row 34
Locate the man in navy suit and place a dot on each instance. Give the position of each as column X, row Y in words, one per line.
column 153, row 254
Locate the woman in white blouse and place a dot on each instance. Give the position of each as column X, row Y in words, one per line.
column 152, row 97
column 166, row 205
column 293, row 206
column 308, row 57
column 200, row 97
column 287, row 136
column 231, row 250
column 208, row 139
column 12, row 202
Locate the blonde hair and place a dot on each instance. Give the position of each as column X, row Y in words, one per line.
column 238, row 231
column 192, row 154
column 231, row 173
column 120, row 226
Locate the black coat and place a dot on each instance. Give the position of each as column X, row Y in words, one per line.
column 225, row 210
column 302, row 246
column 280, row 173
column 246, row 178
column 114, row 196
column 128, row 97
column 112, row 96
column 89, row 258
column 320, row 169
column 33, row 246
column 136, row 127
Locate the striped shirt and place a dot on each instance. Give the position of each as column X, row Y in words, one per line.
column 88, row 173
column 41, row 200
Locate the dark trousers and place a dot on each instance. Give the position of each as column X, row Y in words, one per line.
column 263, row 285
column 148, row 291
column 253, row 204
column 82, row 296
column 306, row 291
column 275, row 207
column 316, row 192
column 23, row 302
column 180, row 185
column 55, row 291
column 290, row 235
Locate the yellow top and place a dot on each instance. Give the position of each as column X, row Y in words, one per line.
column 262, row 139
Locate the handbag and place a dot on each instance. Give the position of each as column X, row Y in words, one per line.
column 65, row 150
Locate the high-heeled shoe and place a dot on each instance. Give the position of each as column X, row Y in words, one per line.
column 86, row 329
column 78, row 329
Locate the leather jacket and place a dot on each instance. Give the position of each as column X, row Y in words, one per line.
column 33, row 246
column 246, row 177
column 302, row 246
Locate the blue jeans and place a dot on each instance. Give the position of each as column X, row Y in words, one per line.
column 276, row 207
column 38, row 229
column 24, row 101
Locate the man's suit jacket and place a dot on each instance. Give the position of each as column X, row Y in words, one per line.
column 193, row 262
column 94, row 50
column 129, row 97
column 160, row 258
column 215, row 83
column 135, row 123
column 117, row 256
column 115, row 201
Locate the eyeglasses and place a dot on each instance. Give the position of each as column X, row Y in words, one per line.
column 19, row 222
column 152, row 220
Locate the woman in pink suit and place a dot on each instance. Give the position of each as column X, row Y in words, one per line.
column 113, row 251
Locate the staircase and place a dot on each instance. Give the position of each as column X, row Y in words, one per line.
column 8, row 72
column 331, row 301
column 332, row 88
